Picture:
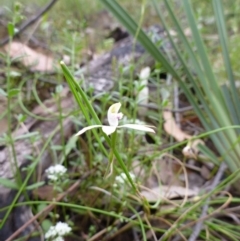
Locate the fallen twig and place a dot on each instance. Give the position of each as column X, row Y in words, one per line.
column 156, row 107
column 198, row 227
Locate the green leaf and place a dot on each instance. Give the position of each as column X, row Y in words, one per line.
column 71, row 144
column 8, row 183
column 57, row 147
column 21, row 118
column 46, row 224
column 35, row 185
column 10, row 29
column 27, row 135
column 13, row 92
column 59, row 89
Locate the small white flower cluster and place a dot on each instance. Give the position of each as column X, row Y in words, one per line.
column 55, row 172
column 56, row 233
column 122, row 178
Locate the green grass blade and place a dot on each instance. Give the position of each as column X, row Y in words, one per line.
column 132, row 27
column 230, row 104
column 219, row 16
column 189, row 73
column 208, row 124
column 201, row 50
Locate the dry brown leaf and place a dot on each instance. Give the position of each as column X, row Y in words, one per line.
column 167, row 192
column 163, row 170
column 168, row 171
column 35, row 61
column 205, row 173
column 172, row 129
column 45, row 193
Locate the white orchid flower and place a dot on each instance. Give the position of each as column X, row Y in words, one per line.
column 113, row 117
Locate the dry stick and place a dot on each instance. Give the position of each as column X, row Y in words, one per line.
column 190, row 224
column 234, row 217
column 30, row 21
column 198, row 227
column 46, row 210
column 156, row 107
column 151, row 229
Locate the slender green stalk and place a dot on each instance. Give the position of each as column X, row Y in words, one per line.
column 223, row 37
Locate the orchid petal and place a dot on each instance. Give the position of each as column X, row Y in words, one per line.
column 113, row 115
column 108, row 130
column 87, row 128
column 114, row 108
column 138, row 127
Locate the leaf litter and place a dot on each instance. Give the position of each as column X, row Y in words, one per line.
column 31, row 59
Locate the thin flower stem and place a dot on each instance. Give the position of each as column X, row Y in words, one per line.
column 111, row 156
column 109, row 170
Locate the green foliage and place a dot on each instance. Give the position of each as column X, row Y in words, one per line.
column 220, row 101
